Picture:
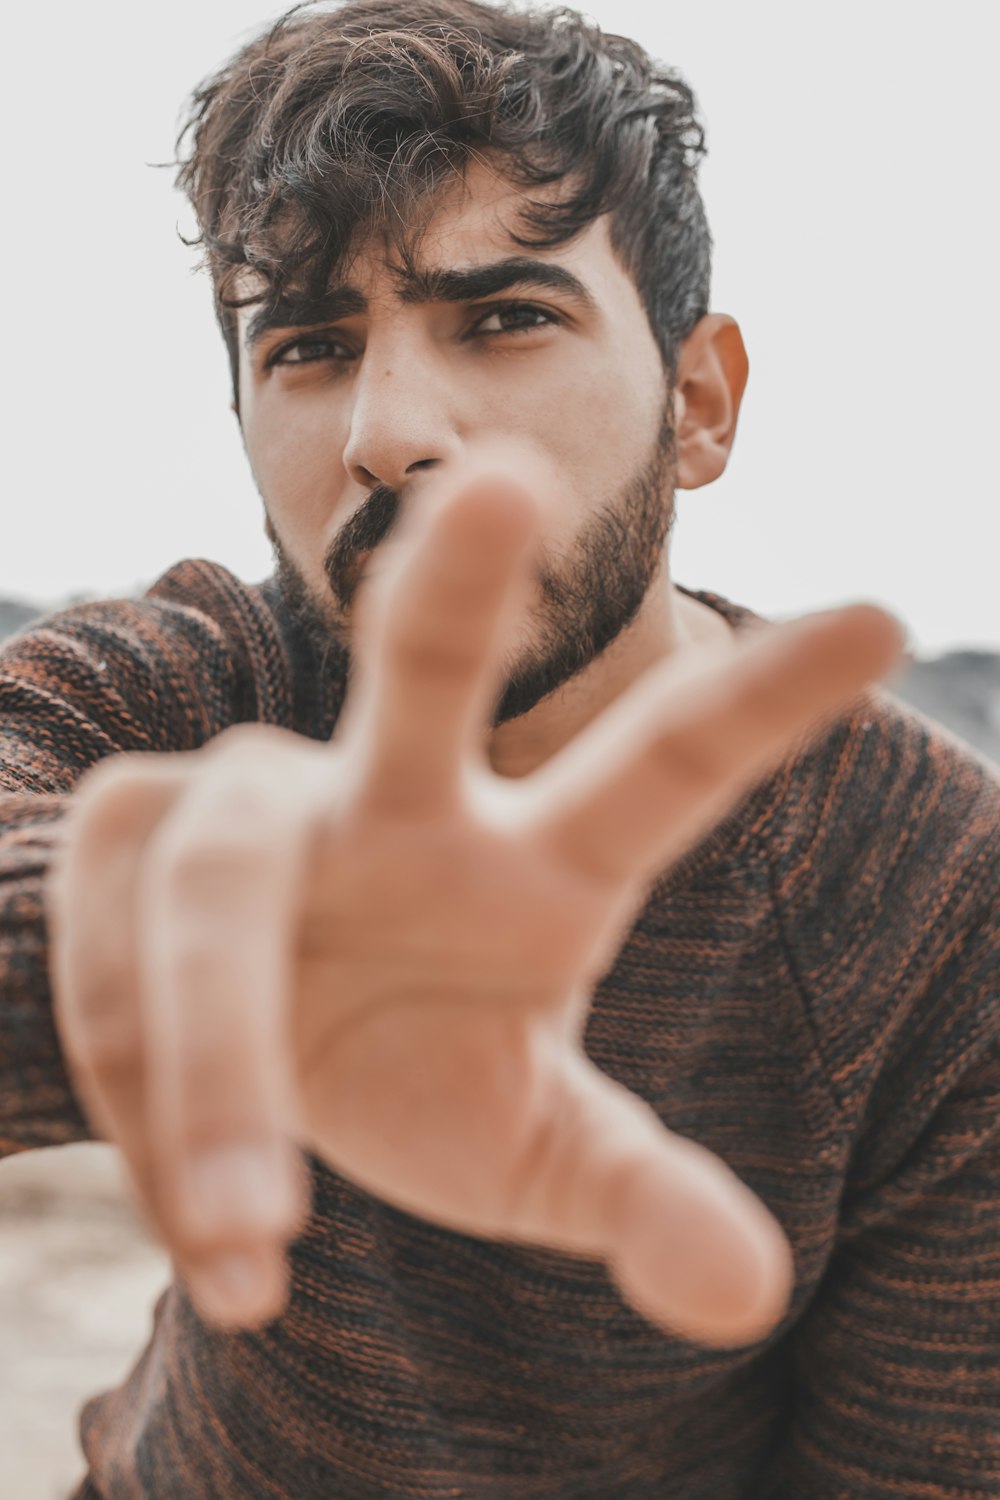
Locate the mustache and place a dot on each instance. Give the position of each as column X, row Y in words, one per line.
column 370, row 524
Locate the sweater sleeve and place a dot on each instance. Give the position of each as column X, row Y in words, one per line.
column 147, row 675
column 896, row 1364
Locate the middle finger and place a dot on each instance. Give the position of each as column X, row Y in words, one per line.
column 664, row 764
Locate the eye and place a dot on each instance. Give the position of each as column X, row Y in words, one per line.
column 514, row 317
column 311, row 348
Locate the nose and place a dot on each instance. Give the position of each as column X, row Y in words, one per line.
column 402, row 419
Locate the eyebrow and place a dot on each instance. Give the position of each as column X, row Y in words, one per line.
column 471, row 284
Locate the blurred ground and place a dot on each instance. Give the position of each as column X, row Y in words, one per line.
column 78, row 1280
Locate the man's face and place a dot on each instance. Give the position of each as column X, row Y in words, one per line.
column 342, row 419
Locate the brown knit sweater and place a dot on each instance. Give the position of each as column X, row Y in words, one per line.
column 813, row 993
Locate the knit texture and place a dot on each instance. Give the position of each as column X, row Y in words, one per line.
column 813, row 992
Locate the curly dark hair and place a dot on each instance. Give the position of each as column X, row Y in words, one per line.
column 346, row 119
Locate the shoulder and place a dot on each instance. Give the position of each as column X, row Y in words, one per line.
column 197, row 651
column 891, row 796
column 885, row 869
column 879, row 788
column 880, row 836
column 892, row 814
column 206, row 597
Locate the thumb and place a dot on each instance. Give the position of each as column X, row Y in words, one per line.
column 690, row 1246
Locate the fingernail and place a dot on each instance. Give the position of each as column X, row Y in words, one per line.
column 237, row 1187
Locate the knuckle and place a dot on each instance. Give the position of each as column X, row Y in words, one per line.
column 90, row 973
column 219, row 1052
column 247, row 742
column 210, row 873
column 767, row 704
column 113, row 804
column 202, row 965
column 99, row 1026
column 222, row 822
column 693, row 763
column 108, row 1048
column 237, row 743
column 238, row 810
column 433, row 658
column 227, row 1093
column 113, row 779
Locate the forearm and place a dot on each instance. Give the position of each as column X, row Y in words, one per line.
column 82, row 686
column 37, row 1104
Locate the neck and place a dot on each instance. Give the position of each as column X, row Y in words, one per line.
column 669, row 624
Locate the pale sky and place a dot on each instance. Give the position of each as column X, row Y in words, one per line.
column 851, row 151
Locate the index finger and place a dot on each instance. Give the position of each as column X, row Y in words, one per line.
column 434, row 617
column 665, row 763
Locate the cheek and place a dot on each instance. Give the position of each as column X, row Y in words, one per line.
column 297, row 463
column 597, row 420
column 606, row 416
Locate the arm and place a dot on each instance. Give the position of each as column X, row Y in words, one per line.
column 896, row 1366
column 37, row 1104
column 77, row 687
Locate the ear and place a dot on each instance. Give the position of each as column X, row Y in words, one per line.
column 712, row 372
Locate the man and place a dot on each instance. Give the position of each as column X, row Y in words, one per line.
column 550, row 1014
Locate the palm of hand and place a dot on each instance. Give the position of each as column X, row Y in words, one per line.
column 456, row 924
column 380, row 949
column 461, row 1099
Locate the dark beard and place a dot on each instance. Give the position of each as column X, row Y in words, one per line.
column 585, row 604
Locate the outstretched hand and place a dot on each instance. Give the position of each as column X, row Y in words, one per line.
column 381, row 950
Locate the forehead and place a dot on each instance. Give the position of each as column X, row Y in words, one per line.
column 474, row 221
column 481, row 212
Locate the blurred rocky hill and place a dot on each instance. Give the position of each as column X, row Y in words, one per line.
column 13, row 615
column 960, row 689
